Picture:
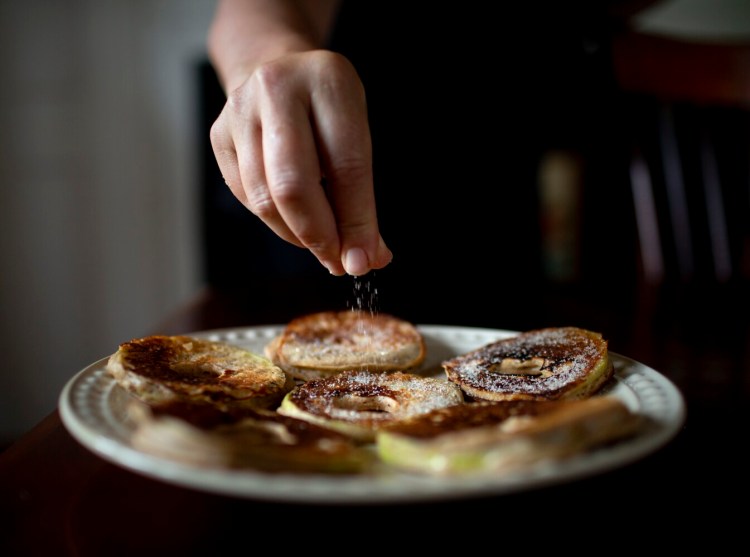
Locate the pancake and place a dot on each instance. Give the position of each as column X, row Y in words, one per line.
column 207, row 436
column 553, row 363
column 495, row 437
column 159, row 369
column 322, row 344
column 358, row 403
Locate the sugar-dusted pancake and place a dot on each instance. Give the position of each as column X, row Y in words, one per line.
column 543, row 364
column 359, row 403
column 494, row 437
column 322, row 344
column 160, row 368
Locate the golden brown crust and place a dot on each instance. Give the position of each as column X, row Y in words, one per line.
column 205, row 435
column 360, row 402
column 162, row 368
column 324, row 343
column 543, row 364
column 511, row 417
column 501, row 436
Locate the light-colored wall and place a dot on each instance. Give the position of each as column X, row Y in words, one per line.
column 98, row 184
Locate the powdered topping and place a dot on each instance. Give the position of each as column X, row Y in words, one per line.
column 194, row 366
column 347, row 340
column 372, row 399
column 545, row 363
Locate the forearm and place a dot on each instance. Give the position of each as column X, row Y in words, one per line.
column 246, row 33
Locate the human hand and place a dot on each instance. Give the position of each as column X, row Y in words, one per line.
column 293, row 144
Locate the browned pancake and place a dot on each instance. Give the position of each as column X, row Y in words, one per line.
column 205, row 435
column 543, row 364
column 503, row 436
column 159, row 369
column 360, row 402
column 325, row 343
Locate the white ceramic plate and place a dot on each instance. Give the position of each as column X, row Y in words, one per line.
column 92, row 409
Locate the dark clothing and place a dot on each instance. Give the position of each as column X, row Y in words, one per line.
column 462, row 105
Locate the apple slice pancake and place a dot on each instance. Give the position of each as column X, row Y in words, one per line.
column 322, row 344
column 358, row 403
column 543, row 364
column 243, row 438
column 159, row 368
column 500, row 437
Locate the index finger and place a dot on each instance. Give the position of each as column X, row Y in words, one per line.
column 293, row 173
column 343, row 137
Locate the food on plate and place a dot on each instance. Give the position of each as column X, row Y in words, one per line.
column 260, row 439
column 358, row 403
column 544, row 364
column 321, row 344
column 325, row 399
column 160, row 368
column 495, row 437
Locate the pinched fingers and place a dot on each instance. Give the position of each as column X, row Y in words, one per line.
column 293, row 170
column 295, row 120
column 343, row 138
column 237, row 147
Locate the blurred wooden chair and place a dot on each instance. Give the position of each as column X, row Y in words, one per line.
column 686, row 107
column 684, row 111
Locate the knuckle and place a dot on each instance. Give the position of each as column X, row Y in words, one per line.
column 350, row 170
column 260, row 203
column 287, row 187
column 320, row 247
column 218, row 134
column 269, row 77
column 238, row 104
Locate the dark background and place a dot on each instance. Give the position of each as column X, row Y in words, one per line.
column 464, row 106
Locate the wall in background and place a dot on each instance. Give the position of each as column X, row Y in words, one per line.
column 99, row 230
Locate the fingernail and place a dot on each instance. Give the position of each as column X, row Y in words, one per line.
column 382, row 248
column 355, row 262
column 333, row 270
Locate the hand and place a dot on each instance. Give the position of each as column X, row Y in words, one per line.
column 293, row 143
